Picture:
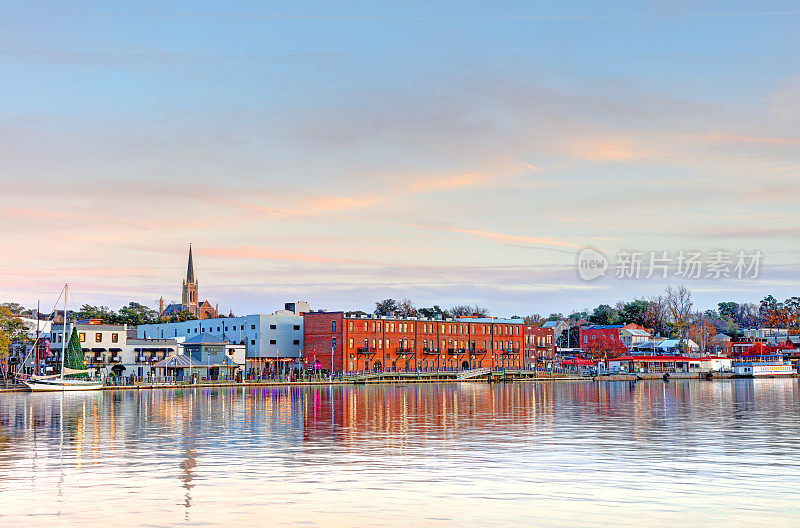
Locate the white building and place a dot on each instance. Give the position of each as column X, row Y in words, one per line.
column 268, row 339
column 107, row 348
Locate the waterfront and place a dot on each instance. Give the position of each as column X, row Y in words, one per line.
column 473, row 454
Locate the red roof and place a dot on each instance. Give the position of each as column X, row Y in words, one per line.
column 655, row 359
column 578, row 361
column 663, row 359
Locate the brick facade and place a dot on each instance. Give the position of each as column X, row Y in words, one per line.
column 371, row 343
column 538, row 345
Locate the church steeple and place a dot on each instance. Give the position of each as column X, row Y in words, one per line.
column 190, row 268
column 189, row 297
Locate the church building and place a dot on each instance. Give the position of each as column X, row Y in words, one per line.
column 190, row 299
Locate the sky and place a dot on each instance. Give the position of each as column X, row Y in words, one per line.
column 346, row 152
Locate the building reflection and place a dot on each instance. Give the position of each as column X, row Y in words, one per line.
column 184, row 437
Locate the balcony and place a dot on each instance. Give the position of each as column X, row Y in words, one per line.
column 478, row 352
column 115, row 359
column 455, row 351
column 510, row 352
column 364, row 351
column 430, row 351
column 405, row 352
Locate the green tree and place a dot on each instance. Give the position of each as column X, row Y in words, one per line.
column 431, row 312
column 603, row 315
column 633, row 312
column 11, row 328
column 135, row 314
column 386, row 307
column 728, row 310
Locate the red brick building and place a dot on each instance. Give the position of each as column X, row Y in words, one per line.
column 593, row 332
column 340, row 341
column 538, row 345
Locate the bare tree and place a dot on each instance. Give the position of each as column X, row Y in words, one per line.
column 406, row 308
column 533, row 320
column 655, row 315
column 679, row 307
column 463, row 310
column 460, row 310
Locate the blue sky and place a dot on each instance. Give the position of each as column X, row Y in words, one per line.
column 346, row 152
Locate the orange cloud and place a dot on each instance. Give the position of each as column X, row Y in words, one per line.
column 456, row 181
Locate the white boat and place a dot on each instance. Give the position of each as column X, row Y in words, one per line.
column 58, row 382
column 764, row 366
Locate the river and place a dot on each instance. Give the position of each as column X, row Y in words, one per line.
column 689, row 452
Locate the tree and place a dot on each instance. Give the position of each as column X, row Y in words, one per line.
column 633, row 311
column 581, row 315
column 406, row 308
column 679, row 307
column 728, row 310
column 104, row 313
column 135, row 314
column 656, row 313
column 533, row 320
column 15, row 308
column 11, row 328
column 464, row 310
column 431, row 312
column 555, row 317
column 603, row 315
column 702, row 331
column 459, row 310
column 605, row 348
column 386, row 307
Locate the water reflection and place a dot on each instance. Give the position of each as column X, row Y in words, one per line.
column 552, row 453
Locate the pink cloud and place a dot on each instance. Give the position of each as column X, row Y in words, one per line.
column 502, row 237
column 252, row 252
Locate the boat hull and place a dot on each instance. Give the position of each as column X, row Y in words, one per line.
column 62, row 385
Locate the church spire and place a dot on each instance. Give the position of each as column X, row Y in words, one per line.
column 190, row 268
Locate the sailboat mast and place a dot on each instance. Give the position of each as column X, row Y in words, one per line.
column 64, row 330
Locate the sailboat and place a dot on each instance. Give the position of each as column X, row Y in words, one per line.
column 71, row 365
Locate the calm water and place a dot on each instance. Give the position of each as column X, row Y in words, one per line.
column 724, row 453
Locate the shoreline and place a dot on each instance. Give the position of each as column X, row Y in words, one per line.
column 393, row 378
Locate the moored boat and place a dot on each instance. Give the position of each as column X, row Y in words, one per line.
column 763, row 366
column 72, row 365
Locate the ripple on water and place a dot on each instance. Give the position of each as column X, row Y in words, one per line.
column 689, row 452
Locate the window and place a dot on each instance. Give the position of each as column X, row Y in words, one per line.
column 226, row 328
column 82, row 337
column 333, row 326
column 350, row 343
column 272, row 342
column 296, row 342
column 333, row 343
column 379, row 326
column 297, row 327
column 252, row 327
column 115, row 337
column 272, row 327
column 252, row 341
column 98, row 337
column 350, row 326
column 217, row 329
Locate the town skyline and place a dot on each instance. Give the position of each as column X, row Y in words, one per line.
column 457, row 159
